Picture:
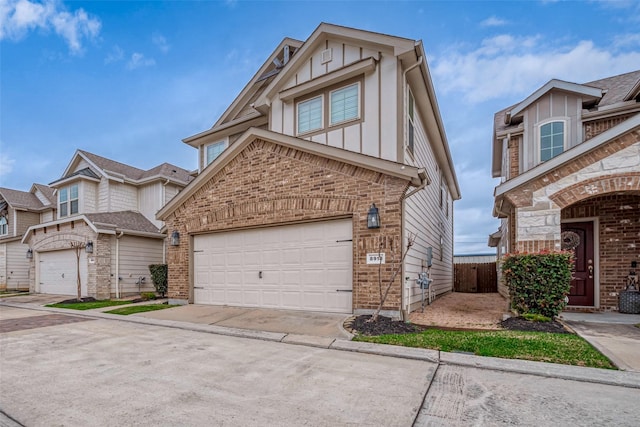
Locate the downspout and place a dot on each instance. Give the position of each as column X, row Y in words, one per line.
column 118, row 236
column 424, row 181
column 404, row 313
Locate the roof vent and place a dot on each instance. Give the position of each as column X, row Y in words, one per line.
column 327, row 56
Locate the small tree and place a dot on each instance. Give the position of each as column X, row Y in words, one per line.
column 384, row 293
column 159, row 277
column 538, row 282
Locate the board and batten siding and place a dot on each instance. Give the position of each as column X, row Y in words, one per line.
column 379, row 99
column 428, row 221
column 170, row 192
column 136, row 253
column 553, row 105
column 17, row 265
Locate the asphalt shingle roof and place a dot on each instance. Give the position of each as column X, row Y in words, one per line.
column 125, row 220
column 22, row 199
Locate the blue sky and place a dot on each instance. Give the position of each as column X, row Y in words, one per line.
column 129, row 80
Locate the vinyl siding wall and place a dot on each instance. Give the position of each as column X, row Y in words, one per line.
column 88, row 193
column 16, row 273
column 135, row 253
column 24, row 220
column 122, row 197
column 150, row 200
column 378, row 92
column 427, row 221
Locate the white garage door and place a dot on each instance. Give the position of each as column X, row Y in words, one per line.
column 295, row 267
column 58, row 272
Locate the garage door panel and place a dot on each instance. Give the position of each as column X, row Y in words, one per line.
column 301, row 265
column 58, row 272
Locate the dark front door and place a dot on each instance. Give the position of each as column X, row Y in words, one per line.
column 579, row 235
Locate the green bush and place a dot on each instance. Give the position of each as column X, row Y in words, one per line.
column 147, row 296
column 538, row 282
column 159, row 275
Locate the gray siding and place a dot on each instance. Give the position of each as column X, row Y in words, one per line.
column 136, row 253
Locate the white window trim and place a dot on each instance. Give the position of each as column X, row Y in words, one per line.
column 68, row 201
column 6, row 226
column 359, row 101
column 206, row 150
column 410, row 121
column 565, row 120
column 322, row 118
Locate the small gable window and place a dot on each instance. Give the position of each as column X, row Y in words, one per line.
column 411, row 123
column 310, row 115
column 214, row 150
column 4, row 226
column 68, row 201
column 551, row 140
column 344, row 104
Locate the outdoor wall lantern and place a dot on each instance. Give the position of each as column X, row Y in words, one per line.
column 175, row 238
column 373, row 218
column 89, row 247
column 29, row 253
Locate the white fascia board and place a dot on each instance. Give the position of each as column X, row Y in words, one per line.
column 229, row 128
column 580, row 149
column 60, row 182
column 556, row 84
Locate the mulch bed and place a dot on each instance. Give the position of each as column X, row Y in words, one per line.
column 75, row 300
column 522, row 324
column 385, row 325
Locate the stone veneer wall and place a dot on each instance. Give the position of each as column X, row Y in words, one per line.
column 619, row 236
column 271, row 184
column 59, row 237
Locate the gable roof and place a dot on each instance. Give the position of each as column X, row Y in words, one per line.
column 416, row 176
column 113, row 170
column 23, row 200
column 614, row 90
column 46, row 191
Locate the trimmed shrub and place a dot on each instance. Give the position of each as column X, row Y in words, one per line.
column 538, row 282
column 147, row 296
column 159, row 275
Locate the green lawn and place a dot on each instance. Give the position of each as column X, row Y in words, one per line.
column 566, row 349
column 9, row 294
column 88, row 305
column 140, row 308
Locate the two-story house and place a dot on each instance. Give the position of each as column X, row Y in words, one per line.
column 104, row 232
column 18, row 211
column 569, row 161
column 313, row 180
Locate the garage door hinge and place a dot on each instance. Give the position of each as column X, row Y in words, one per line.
column 198, row 287
column 346, row 240
column 198, row 251
column 344, row 290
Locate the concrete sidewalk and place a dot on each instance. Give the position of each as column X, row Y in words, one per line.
column 613, row 334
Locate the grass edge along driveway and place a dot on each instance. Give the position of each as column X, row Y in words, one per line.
column 566, row 349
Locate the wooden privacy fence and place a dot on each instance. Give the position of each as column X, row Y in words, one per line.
column 479, row 278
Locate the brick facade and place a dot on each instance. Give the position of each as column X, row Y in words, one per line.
column 619, row 237
column 269, row 184
column 596, row 127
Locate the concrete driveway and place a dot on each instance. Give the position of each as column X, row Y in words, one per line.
column 108, row 372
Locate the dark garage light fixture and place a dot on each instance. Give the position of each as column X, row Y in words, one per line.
column 373, row 218
column 29, row 253
column 89, row 247
column 175, row 238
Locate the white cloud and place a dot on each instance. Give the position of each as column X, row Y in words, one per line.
column 6, row 164
column 116, row 54
column 160, row 42
column 507, row 65
column 19, row 17
column 627, row 40
column 138, row 60
column 493, row 21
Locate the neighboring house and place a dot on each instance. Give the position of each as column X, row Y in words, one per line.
column 325, row 129
column 104, row 229
column 569, row 159
column 18, row 211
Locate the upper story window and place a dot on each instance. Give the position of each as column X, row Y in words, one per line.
column 4, row 226
column 332, row 107
column 310, row 115
column 344, row 104
column 410, row 121
column 551, row 140
column 68, row 201
column 212, row 151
